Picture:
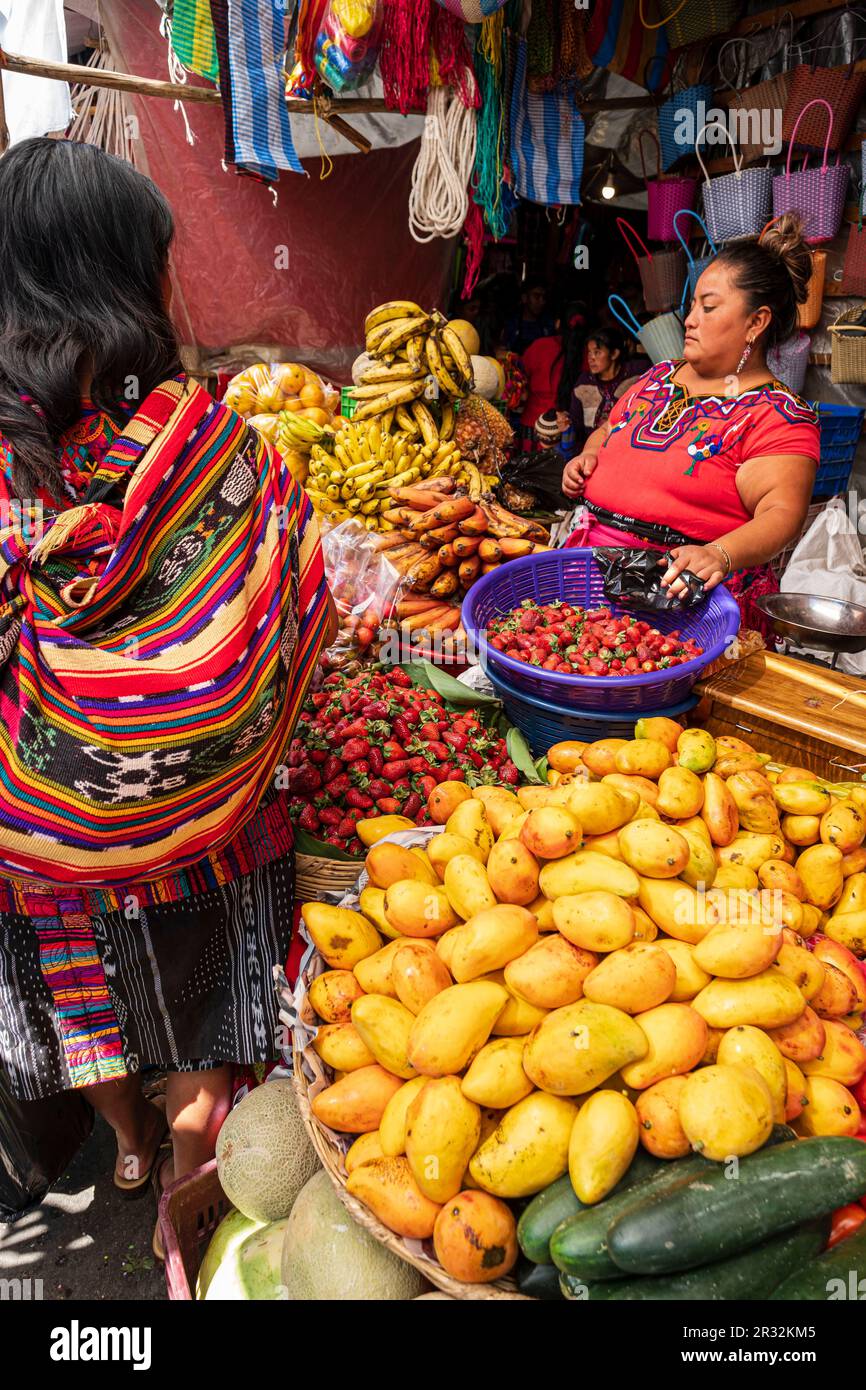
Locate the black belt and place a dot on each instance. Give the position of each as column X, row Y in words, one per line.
column 647, row 530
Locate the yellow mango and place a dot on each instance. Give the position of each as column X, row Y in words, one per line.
column 719, row 811
column 853, row 896
column 768, row 1000
column 658, row 1113
column 645, row 928
column 600, row 808
column 830, row 1109
column 417, row 974
column 802, row 1040
column 375, row 828
column 750, row 849
column 551, row 832
column 419, row 909
column 732, row 763
column 633, row 979
column 374, row 973
column 384, row 1025
column 681, row 793
column 551, row 973
column 777, row 874
column 387, row 863
column 496, row 1078
column 813, row 919
column 365, row 1148
column 696, row 750
column 820, row 869
column 443, row 848
column 332, row 994
column 795, row 1096
column 676, row 1036
column 802, row 830
column 392, row 1126
column 341, row 937
column 387, row 1187
column 634, row 786
column 843, row 1056
column 644, row 812
column 587, row 872
column 735, row 876
column 355, row 1104
column 443, row 1129
column 467, row 886
column 844, row 825
column 806, row 798
column 445, row 798
column 653, row 849
column 532, row 798
column 453, row 1026
column 529, row 1148
column 578, row 1047
column 542, row 911
column 711, row 1051
column 566, row 756
column 372, row 903
column 666, row 731
column 690, row 978
column 726, row 1111
column 855, row 862
column 602, row 1144
column 802, row 967
column 514, row 827
column 837, row 995
column 849, row 930
column 752, row 1047
column 470, row 821
column 500, row 805
column 512, row 872
column 830, row 952
column 444, row 945
column 727, row 744
column 600, row 756
column 701, row 868
column 490, row 939
column 594, row 921
column 342, row 1048
column 676, row 908
column 518, row 1018
column 740, row 945
column 643, row 757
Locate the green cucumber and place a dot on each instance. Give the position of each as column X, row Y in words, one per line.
column 538, row 1281
column 710, row 1215
column 579, row 1245
column 557, row 1202
column 752, row 1275
column 835, row 1275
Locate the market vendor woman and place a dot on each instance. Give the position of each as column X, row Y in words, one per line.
column 156, row 641
column 710, row 458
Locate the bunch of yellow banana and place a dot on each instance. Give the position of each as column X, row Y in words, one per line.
column 367, row 461
column 293, row 432
column 409, row 348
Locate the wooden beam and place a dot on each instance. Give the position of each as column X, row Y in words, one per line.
column 105, row 77
column 4, row 129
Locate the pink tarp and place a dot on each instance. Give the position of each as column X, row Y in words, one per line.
column 344, row 241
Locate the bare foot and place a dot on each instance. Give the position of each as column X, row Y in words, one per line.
column 135, row 1157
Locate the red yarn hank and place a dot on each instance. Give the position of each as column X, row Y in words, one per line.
column 473, row 233
column 405, row 58
column 453, row 56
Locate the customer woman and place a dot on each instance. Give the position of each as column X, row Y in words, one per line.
column 597, row 389
column 710, row 459
column 162, row 605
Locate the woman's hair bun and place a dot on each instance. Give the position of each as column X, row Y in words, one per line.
column 784, row 239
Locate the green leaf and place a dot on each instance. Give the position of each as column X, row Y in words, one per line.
column 429, row 677
column 542, row 767
column 308, row 844
column 518, row 752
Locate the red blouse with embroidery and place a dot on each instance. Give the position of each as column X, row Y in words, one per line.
column 673, row 458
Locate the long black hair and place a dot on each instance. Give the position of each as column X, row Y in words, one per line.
column 84, row 242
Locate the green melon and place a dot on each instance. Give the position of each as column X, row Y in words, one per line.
column 327, row 1256
column 260, row 1263
column 264, row 1156
column 217, row 1271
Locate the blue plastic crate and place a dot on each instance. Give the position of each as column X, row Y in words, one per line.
column 840, row 426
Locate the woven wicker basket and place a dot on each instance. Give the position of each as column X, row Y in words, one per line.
column 316, row 877
column 809, row 313
column 848, row 356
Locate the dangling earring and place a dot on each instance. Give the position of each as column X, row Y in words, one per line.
column 747, row 352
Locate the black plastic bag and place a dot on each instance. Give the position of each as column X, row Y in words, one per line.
column 38, row 1140
column 633, row 579
column 540, row 474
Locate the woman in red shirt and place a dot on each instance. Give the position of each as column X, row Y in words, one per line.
column 709, row 459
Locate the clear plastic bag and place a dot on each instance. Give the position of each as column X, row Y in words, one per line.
column 365, row 586
column 347, row 45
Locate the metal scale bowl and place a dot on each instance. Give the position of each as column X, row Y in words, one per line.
column 812, row 621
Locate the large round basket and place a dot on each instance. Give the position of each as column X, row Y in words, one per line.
column 316, row 877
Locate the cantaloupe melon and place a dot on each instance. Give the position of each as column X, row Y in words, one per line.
column 260, row 1264
column 326, row 1255
column 263, row 1154
column 217, row 1273
column 468, row 335
column 488, row 379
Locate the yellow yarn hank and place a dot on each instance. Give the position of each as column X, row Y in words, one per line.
column 326, row 158
column 490, row 41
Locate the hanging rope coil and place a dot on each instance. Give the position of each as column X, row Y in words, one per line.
column 439, row 198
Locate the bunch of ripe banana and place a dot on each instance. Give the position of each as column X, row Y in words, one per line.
column 294, row 432
column 408, row 348
column 356, row 478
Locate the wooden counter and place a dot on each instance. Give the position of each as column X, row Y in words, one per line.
column 802, row 714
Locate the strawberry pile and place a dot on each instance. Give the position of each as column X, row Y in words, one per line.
column 377, row 745
column 587, row 642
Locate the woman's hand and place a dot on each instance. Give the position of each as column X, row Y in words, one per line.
column 577, row 470
column 702, row 560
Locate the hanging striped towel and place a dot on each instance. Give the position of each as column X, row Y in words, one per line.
column 547, row 135
column 250, row 42
column 192, row 37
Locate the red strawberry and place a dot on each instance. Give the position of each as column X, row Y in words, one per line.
column 358, row 799
column 388, row 805
column 346, row 827
column 308, row 819
column 339, row 786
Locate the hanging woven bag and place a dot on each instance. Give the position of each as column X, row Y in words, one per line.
column 697, row 264
column 818, row 195
column 690, row 21
column 666, row 196
column 661, row 272
column 662, row 338
column 854, row 266
column 848, row 353
column 736, row 205
column 788, row 361
column 842, row 87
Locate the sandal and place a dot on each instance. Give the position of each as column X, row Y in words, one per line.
column 162, row 1158
column 133, row 1186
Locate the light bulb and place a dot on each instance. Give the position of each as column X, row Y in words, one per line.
column 609, row 187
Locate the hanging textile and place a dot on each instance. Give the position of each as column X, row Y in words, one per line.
column 405, row 58
column 193, row 39
column 490, row 190
column 547, row 139
column 616, row 40
column 452, row 55
column 249, row 43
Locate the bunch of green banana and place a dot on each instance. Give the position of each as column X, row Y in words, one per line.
column 367, row 461
column 409, row 347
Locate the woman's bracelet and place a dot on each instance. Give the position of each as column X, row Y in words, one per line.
column 729, row 564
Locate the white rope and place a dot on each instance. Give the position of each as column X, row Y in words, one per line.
column 176, row 73
column 439, row 199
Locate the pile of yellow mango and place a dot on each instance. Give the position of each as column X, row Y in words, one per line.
column 569, row 970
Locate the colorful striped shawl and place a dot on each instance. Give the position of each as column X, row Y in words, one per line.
column 146, row 703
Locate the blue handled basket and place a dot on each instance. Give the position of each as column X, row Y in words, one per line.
column 697, row 264
column 573, row 576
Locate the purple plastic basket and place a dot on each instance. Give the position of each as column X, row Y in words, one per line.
column 573, row 576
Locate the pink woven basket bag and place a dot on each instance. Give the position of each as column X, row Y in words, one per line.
column 818, row 195
column 666, row 196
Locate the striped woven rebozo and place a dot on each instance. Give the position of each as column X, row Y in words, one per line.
column 192, row 37
column 547, row 139
column 250, row 43
column 155, row 648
